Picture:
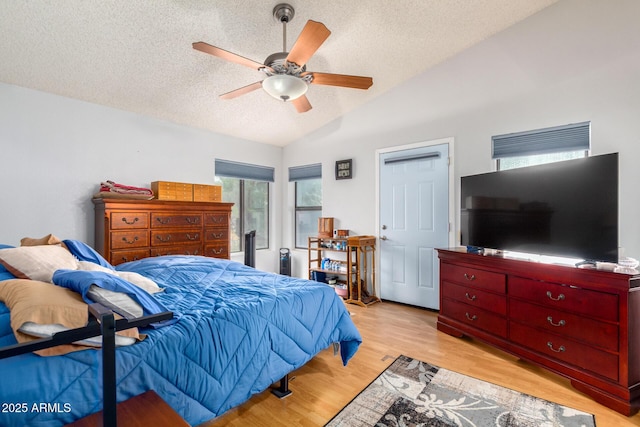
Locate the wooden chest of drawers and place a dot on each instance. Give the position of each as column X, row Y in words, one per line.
column 582, row 324
column 476, row 298
column 127, row 230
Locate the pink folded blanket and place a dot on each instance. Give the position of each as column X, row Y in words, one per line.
column 112, row 187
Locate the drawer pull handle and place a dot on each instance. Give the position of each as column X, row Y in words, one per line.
column 125, row 259
column 217, row 235
column 136, row 219
column 472, row 277
column 192, row 220
column 550, row 295
column 472, row 318
column 163, row 221
column 130, row 242
column 561, row 349
column 560, row 323
column 470, row 297
column 192, row 238
column 218, row 251
column 164, row 239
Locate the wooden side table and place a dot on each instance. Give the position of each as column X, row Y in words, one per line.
column 363, row 290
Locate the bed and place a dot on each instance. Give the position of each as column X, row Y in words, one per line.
column 238, row 331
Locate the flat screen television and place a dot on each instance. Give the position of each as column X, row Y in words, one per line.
column 567, row 209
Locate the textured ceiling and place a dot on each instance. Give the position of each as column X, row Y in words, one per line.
column 136, row 55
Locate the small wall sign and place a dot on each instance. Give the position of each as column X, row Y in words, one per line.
column 343, row 169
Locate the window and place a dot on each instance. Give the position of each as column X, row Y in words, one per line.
column 308, row 193
column 540, row 146
column 247, row 187
column 308, row 210
column 538, row 159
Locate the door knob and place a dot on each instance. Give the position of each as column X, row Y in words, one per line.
column 383, row 237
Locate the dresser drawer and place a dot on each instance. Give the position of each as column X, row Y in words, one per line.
column 579, row 328
column 482, row 279
column 126, row 220
column 217, row 251
column 177, row 250
column 129, row 239
column 475, row 317
column 174, row 237
column 566, row 298
column 475, row 297
column 175, row 219
column 562, row 348
column 216, row 234
column 216, row 219
column 119, row 257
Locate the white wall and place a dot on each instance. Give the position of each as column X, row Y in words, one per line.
column 575, row 61
column 55, row 151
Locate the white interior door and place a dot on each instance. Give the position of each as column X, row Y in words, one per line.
column 413, row 221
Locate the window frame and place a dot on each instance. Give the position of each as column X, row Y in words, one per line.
column 244, row 212
column 585, row 154
column 542, row 145
column 229, row 169
column 302, row 209
column 242, row 229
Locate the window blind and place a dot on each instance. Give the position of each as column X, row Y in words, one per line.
column 299, row 173
column 244, row 171
column 402, row 159
column 556, row 139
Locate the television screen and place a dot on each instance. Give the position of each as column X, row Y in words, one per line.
column 567, row 209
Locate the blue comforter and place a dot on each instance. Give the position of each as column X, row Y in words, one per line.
column 240, row 330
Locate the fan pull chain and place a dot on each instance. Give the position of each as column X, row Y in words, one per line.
column 284, row 35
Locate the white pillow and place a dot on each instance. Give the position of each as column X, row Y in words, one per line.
column 140, row 281
column 92, row 266
column 119, row 302
column 46, row 331
column 134, row 278
column 37, row 262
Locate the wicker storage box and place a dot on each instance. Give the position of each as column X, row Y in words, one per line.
column 207, row 193
column 165, row 190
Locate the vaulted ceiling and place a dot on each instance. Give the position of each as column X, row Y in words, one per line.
column 137, row 55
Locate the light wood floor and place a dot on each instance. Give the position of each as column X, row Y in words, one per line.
column 323, row 386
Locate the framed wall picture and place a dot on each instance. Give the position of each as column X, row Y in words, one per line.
column 343, row 169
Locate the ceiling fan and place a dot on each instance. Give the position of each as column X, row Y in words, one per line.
column 287, row 78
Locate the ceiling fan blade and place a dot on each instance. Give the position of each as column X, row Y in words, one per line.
column 302, row 104
column 312, row 36
column 245, row 89
column 355, row 82
column 224, row 54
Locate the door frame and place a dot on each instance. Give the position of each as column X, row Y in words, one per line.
column 452, row 215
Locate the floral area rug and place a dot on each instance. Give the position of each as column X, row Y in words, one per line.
column 414, row 393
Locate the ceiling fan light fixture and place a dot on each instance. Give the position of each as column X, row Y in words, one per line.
column 284, row 87
column 287, row 78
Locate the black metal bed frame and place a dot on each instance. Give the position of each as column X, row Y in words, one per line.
column 101, row 322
